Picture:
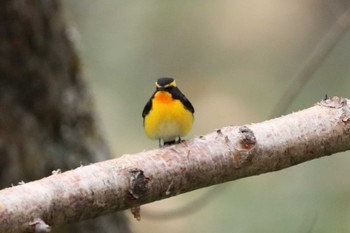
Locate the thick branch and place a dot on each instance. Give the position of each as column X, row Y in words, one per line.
column 227, row 154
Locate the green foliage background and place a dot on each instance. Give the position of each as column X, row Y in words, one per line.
column 233, row 60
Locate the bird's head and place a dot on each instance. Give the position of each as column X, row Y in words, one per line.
column 164, row 84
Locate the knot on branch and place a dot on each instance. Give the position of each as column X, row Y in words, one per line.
column 339, row 102
column 334, row 102
column 247, row 140
column 138, row 183
column 138, row 189
column 241, row 152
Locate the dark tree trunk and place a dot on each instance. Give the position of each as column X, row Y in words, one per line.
column 46, row 115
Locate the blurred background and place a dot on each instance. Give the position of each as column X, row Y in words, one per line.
column 233, row 60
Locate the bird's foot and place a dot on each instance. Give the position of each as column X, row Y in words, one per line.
column 163, row 143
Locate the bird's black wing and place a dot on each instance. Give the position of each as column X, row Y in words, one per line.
column 148, row 106
column 177, row 94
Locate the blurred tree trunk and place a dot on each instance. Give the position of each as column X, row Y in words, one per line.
column 46, row 114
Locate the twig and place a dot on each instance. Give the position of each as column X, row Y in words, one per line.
column 312, row 62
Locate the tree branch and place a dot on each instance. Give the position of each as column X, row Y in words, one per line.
column 227, row 154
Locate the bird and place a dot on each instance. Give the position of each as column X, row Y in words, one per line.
column 168, row 115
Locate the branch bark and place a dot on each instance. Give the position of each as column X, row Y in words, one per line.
column 227, row 154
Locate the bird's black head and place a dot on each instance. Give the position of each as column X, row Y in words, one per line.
column 165, row 83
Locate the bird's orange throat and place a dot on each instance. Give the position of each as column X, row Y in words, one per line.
column 163, row 97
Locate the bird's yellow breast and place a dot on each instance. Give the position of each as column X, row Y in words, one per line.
column 168, row 118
